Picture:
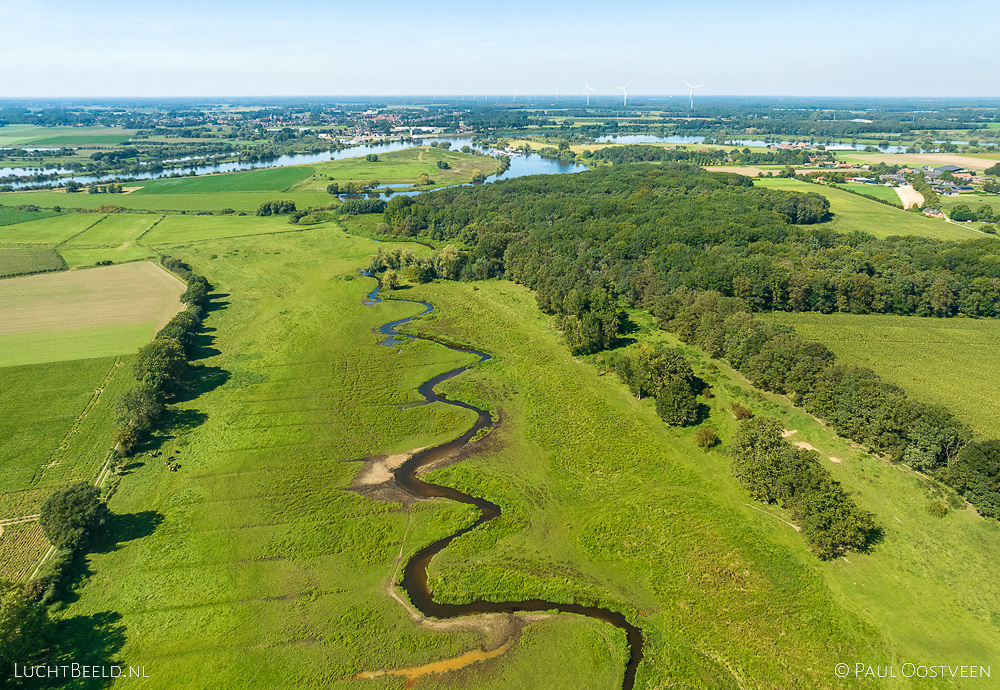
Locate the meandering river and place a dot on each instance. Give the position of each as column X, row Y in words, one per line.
column 415, row 572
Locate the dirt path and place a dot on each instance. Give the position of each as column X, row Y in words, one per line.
column 909, row 196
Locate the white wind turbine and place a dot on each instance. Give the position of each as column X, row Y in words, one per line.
column 625, row 92
column 692, row 92
column 587, row 92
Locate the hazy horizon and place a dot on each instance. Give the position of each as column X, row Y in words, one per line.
column 190, row 50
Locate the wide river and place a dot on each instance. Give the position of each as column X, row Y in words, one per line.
column 520, row 166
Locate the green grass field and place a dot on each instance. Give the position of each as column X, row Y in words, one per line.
column 115, row 229
column 75, row 343
column 265, row 180
column 79, row 257
column 40, row 409
column 252, row 562
column 176, row 229
column 33, row 135
column 49, row 230
column 9, row 215
column 948, row 361
column 878, row 191
column 214, row 201
column 398, row 167
column 855, row 213
column 16, row 261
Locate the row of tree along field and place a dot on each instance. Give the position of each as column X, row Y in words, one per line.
column 702, row 251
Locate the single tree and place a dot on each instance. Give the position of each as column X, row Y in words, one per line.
column 72, row 515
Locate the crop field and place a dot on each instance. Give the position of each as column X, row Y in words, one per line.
column 53, row 424
column 44, row 315
column 876, row 190
column 968, row 161
column 949, row 361
column 79, row 257
column 855, row 213
column 16, row 261
column 10, row 215
column 21, row 546
column 176, row 229
column 33, row 135
column 50, row 230
column 205, row 201
column 264, row 180
column 115, row 229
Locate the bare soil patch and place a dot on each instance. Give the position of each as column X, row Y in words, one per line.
column 909, row 196
column 137, row 292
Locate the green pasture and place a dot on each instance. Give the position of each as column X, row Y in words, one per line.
column 49, row 413
column 10, row 215
column 948, row 361
column 581, row 525
column 34, row 135
column 51, row 230
column 74, row 343
column 15, row 261
column 115, row 229
column 876, row 190
column 398, row 167
column 855, row 213
column 262, row 566
column 78, row 257
column 175, row 229
column 263, row 180
column 247, row 202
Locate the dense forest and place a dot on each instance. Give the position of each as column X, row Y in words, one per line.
column 641, row 232
column 702, row 251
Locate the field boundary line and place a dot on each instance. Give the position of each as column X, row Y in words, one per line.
column 155, row 223
column 59, row 244
column 78, row 424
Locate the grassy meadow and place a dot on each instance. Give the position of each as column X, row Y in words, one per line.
column 53, row 230
column 948, row 361
column 34, row 135
column 260, row 565
column 15, row 261
column 854, row 213
column 253, row 563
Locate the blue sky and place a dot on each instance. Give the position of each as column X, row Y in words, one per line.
column 303, row 47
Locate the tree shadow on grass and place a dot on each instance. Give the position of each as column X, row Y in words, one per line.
column 202, row 345
column 201, row 379
column 120, row 529
column 215, row 301
column 93, row 640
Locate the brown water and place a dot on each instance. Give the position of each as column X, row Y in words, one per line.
column 415, row 571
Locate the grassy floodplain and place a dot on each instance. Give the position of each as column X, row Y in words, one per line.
column 262, row 567
column 855, row 213
column 253, row 562
column 949, row 361
column 245, row 191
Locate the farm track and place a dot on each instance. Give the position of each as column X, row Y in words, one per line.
column 414, row 581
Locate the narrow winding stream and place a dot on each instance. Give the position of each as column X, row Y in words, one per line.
column 415, row 572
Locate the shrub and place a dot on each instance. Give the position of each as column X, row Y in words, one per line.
column 937, row 509
column 740, row 412
column 705, row 437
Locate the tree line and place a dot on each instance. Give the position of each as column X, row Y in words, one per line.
column 702, row 251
